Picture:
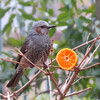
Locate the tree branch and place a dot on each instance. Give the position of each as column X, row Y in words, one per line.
column 77, row 70
column 86, row 43
column 90, row 66
column 81, row 78
column 78, row 92
column 28, row 83
column 3, row 96
column 30, row 61
column 56, row 85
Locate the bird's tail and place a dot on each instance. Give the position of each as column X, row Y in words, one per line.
column 15, row 79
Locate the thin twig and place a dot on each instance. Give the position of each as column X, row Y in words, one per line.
column 30, row 61
column 88, row 37
column 21, row 89
column 28, row 82
column 15, row 52
column 79, row 46
column 81, row 78
column 3, row 96
column 73, row 77
column 89, row 50
column 86, row 43
column 56, row 85
column 62, row 87
column 51, row 56
column 50, row 87
column 90, row 66
column 90, row 57
column 77, row 70
column 8, row 96
column 78, row 92
column 13, row 61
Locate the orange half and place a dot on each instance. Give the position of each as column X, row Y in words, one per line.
column 66, row 59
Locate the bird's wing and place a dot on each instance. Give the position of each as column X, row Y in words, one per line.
column 23, row 50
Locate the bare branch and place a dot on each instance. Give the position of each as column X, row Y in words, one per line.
column 3, row 96
column 88, row 37
column 28, row 82
column 90, row 57
column 90, row 66
column 30, row 61
column 81, row 78
column 78, row 92
column 56, row 85
column 13, row 61
column 86, row 43
column 89, row 50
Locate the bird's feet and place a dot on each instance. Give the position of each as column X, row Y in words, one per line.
column 15, row 96
column 45, row 66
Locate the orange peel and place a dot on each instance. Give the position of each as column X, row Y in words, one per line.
column 66, row 59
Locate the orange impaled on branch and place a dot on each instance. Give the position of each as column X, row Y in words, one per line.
column 66, row 59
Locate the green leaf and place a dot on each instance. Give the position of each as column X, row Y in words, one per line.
column 6, row 26
column 79, row 24
column 84, row 19
column 62, row 23
column 30, row 25
column 8, row 30
column 28, row 3
column 6, row 74
column 67, row 2
column 92, row 8
column 21, row 23
column 26, row 16
column 52, row 32
column 22, row 11
column 56, row 76
column 14, row 42
column 74, row 2
column 22, row 39
column 3, row 11
column 44, row 4
column 68, row 32
column 12, row 17
column 66, row 15
column 8, row 1
column 7, row 54
column 50, row 12
column 62, row 16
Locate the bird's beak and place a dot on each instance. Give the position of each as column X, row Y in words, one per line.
column 51, row 26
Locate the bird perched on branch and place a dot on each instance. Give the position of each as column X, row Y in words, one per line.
column 36, row 48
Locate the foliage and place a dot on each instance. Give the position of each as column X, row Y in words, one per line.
column 77, row 23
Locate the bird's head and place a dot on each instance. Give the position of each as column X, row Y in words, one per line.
column 42, row 27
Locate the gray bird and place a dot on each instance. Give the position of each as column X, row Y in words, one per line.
column 36, row 48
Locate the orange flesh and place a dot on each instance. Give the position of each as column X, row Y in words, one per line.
column 67, row 59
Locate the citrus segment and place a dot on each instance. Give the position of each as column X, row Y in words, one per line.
column 66, row 58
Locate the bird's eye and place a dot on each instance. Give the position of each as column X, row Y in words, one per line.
column 42, row 26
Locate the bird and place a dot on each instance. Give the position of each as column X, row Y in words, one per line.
column 36, row 48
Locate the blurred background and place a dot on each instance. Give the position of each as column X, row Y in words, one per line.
column 75, row 19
